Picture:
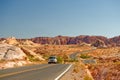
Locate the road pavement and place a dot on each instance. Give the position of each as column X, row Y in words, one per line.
column 74, row 55
column 35, row 72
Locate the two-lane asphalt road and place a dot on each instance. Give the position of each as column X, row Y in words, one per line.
column 35, row 72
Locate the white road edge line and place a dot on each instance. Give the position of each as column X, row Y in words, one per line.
column 63, row 73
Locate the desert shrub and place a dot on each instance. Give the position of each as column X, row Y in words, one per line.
column 87, row 77
column 84, row 56
column 72, row 60
column 60, row 59
column 117, row 63
column 33, row 59
column 46, row 56
column 65, row 57
column 76, row 69
column 2, row 60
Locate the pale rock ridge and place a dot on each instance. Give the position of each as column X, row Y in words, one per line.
column 31, row 53
column 10, row 52
column 12, row 41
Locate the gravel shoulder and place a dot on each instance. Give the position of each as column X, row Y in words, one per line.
column 77, row 72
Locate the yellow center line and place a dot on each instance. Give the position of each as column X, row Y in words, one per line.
column 10, row 74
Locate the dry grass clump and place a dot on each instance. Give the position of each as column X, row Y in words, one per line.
column 87, row 77
column 76, row 67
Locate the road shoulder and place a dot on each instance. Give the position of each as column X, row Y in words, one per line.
column 77, row 72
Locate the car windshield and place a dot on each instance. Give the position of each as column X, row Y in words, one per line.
column 52, row 57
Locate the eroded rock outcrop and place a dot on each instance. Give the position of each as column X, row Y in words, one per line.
column 10, row 52
column 99, row 43
column 11, row 40
column 30, row 53
column 12, row 56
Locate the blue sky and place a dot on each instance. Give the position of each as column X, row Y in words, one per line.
column 34, row 18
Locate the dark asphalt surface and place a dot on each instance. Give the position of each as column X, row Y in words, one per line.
column 74, row 55
column 34, row 72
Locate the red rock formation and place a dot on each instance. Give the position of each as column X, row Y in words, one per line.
column 66, row 40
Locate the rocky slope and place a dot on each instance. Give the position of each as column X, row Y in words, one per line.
column 17, row 53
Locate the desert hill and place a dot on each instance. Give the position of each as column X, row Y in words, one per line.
column 66, row 40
